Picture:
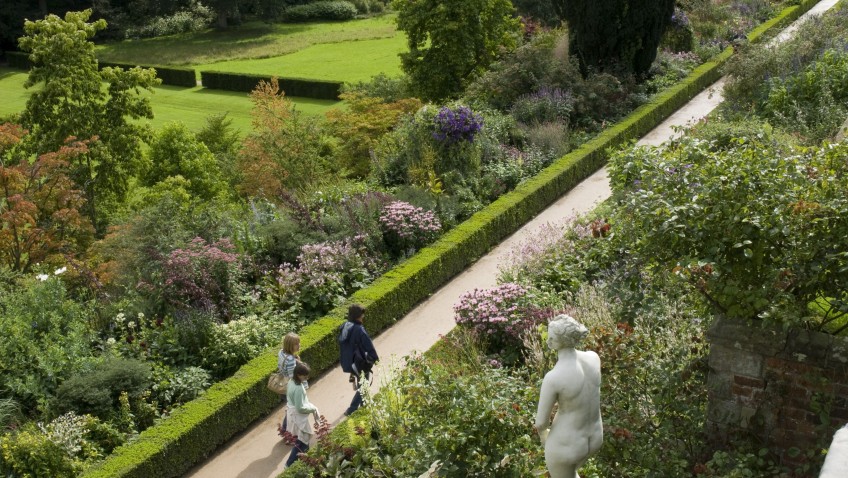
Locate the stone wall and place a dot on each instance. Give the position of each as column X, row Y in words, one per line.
column 785, row 388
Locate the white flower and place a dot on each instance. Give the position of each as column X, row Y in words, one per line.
column 60, row 270
column 110, row 341
column 131, row 324
column 42, row 277
column 120, row 317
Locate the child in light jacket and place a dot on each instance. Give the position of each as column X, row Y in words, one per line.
column 299, row 409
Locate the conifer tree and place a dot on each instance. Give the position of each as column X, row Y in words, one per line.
column 610, row 33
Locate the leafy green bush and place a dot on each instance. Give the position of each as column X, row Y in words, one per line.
column 176, row 151
column 814, row 101
column 98, row 390
column 60, row 448
column 321, row 10
column 753, row 230
column 233, row 344
column 40, row 320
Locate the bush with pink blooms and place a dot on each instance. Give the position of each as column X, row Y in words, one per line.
column 202, row 276
column 407, row 228
column 325, row 274
column 500, row 316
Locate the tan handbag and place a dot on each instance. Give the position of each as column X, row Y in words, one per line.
column 278, row 383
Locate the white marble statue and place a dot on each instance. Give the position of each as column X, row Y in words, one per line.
column 574, row 384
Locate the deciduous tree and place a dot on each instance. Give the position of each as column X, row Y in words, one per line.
column 75, row 99
column 452, row 42
column 39, row 204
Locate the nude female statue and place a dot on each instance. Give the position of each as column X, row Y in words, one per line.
column 575, row 385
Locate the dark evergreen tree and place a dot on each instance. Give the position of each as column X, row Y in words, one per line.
column 616, row 33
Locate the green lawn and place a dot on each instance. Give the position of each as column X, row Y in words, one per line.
column 170, row 103
column 351, row 61
column 249, row 41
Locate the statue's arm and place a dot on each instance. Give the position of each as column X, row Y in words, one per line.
column 547, row 398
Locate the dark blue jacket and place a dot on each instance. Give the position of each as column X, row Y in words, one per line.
column 352, row 339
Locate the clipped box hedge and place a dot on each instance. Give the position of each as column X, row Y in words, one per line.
column 170, row 75
column 195, row 430
column 305, row 88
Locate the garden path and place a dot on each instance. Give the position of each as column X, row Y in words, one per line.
column 259, row 453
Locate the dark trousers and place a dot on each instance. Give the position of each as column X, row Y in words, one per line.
column 297, row 449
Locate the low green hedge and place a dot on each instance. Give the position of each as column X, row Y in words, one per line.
column 18, row 59
column 302, row 87
column 170, row 75
column 199, row 427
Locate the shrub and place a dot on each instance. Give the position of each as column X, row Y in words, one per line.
column 98, row 390
column 361, row 124
column 543, row 62
column 547, row 105
column 44, row 337
column 680, row 36
column 60, row 448
column 233, row 344
column 453, row 126
column 203, row 277
column 500, row 318
column 751, row 229
column 321, row 10
column 283, row 154
column 814, row 101
column 172, row 388
column 176, row 151
column 407, row 228
column 196, row 18
column 325, row 274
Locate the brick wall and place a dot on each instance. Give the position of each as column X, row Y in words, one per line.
column 774, row 385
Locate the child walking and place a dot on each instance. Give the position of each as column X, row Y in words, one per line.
column 287, row 358
column 297, row 414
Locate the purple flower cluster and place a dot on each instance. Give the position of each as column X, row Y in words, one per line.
column 326, row 273
column 496, row 313
column 201, row 275
column 455, row 125
column 408, row 227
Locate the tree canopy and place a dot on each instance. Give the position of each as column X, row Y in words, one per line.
column 75, row 99
column 452, row 42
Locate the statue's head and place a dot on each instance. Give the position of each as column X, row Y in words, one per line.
column 565, row 332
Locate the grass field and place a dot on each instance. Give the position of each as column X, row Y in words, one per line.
column 349, row 61
column 170, row 103
column 249, row 41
